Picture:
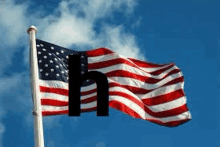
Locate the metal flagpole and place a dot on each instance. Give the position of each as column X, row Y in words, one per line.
column 38, row 124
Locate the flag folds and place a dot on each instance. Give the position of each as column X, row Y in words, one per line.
column 140, row 89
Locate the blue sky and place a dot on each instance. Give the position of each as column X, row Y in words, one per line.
column 186, row 32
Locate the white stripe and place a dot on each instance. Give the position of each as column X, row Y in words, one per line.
column 54, row 96
column 53, row 108
column 54, row 83
column 185, row 115
column 169, row 105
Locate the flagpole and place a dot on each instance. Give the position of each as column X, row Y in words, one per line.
column 38, row 124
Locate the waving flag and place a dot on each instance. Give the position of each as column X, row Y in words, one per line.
column 140, row 89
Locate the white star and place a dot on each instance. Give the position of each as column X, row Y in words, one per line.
column 60, row 64
column 67, row 57
column 40, row 61
column 57, row 66
column 44, row 49
column 45, row 57
column 57, row 53
column 41, row 45
column 46, row 65
column 39, row 52
column 82, row 64
column 41, row 70
column 55, row 59
column 82, row 72
column 66, row 71
column 50, row 54
column 46, row 74
column 59, row 59
column 52, row 47
column 58, row 75
column 52, row 69
column 87, row 80
column 62, row 51
column 51, row 61
column 38, row 45
column 67, row 78
column 62, row 71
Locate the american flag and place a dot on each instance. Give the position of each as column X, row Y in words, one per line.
column 140, row 89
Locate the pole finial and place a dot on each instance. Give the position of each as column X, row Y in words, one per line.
column 32, row 28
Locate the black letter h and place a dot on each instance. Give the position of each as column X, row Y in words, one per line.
column 75, row 83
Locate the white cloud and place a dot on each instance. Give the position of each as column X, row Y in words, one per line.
column 119, row 41
column 69, row 30
column 12, row 21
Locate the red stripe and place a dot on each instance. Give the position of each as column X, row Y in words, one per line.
column 171, row 123
column 50, row 102
column 164, row 98
column 146, row 64
column 60, row 91
column 63, row 112
column 48, row 113
column 98, row 52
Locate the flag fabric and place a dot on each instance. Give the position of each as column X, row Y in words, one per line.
column 140, row 89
